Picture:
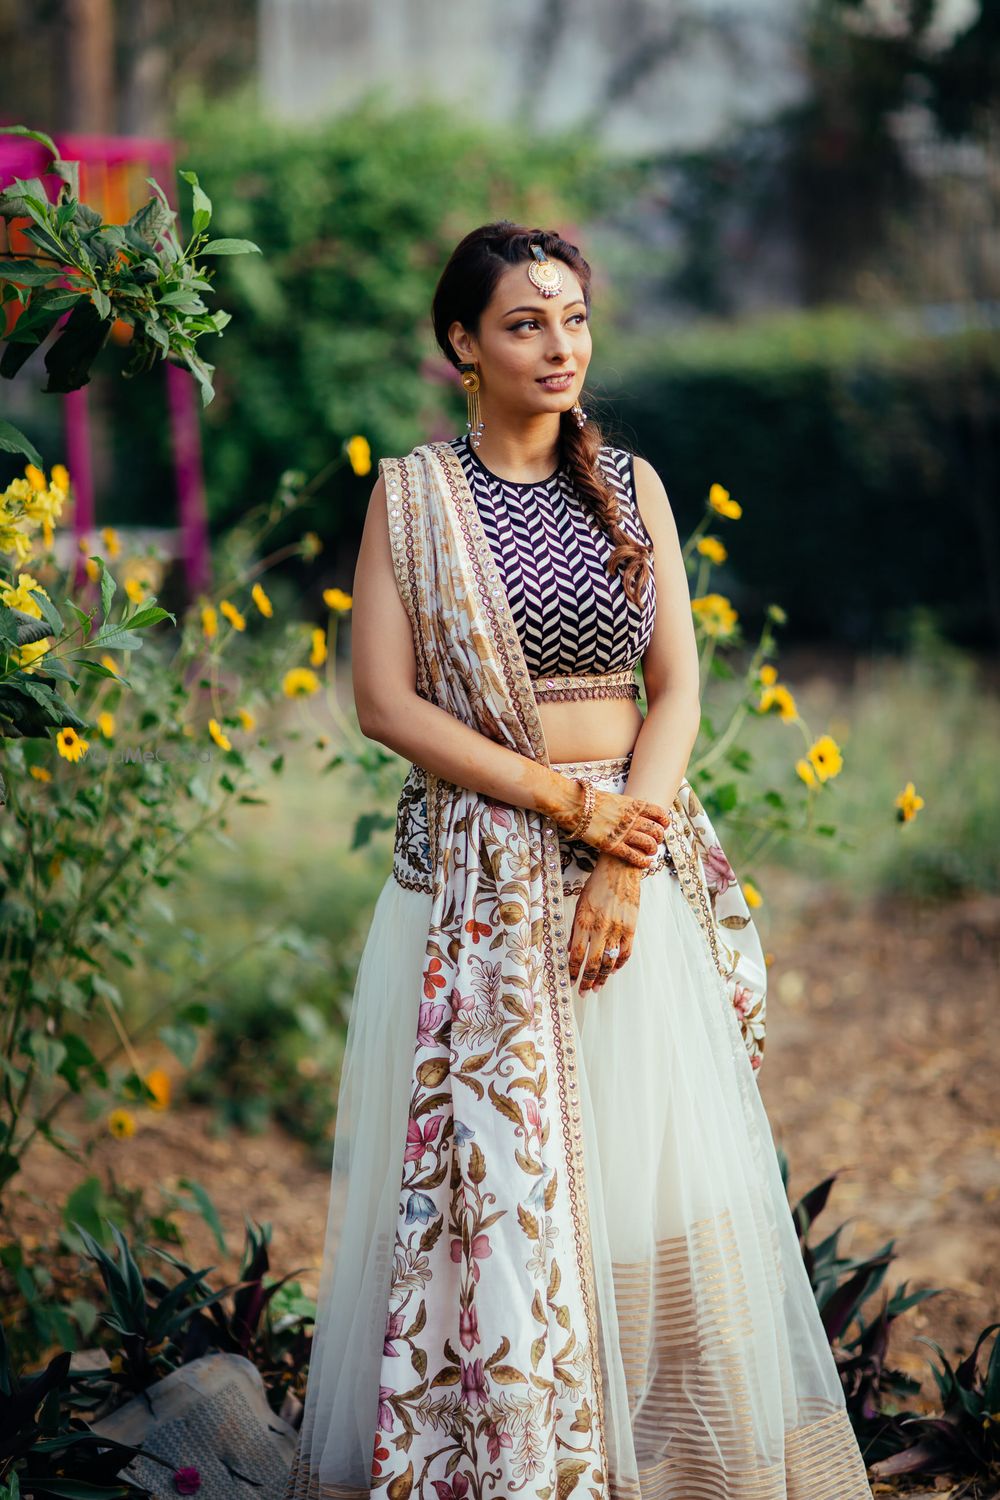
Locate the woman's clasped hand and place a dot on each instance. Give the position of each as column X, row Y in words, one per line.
column 628, row 832
column 628, row 827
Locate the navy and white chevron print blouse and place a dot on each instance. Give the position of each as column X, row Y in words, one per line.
column 571, row 616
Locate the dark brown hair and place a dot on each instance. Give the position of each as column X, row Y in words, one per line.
column 465, row 287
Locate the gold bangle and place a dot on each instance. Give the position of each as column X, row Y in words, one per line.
column 587, row 811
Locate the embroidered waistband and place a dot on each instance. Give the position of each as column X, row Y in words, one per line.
column 618, row 684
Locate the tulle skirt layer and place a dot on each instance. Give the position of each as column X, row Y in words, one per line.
column 718, row 1378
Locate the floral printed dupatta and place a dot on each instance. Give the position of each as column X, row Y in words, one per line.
column 491, row 1360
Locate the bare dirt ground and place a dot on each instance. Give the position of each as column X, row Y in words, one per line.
column 882, row 1062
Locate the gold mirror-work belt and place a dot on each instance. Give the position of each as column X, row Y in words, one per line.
column 618, row 684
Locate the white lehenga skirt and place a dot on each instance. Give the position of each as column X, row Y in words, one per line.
column 719, row 1381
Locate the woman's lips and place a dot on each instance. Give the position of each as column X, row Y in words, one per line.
column 556, row 382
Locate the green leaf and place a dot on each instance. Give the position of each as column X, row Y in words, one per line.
column 25, row 198
column 203, row 373
column 208, row 1211
column 826, row 830
column 50, row 614
column 26, row 273
column 108, row 587
column 149, row 614
column 149, row 223
column 116, row 638
column 13, row 440
column 184, row 301
column 182, row 1041
column 230, row 247
column 36, row 324
column 102, row 302
column 48, row 1052
column 201, row 203
column 69, row 359
column 31, row 135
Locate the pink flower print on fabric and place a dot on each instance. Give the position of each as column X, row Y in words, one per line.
column 385, row 1415
column 474, row 1385
column 718, row 871
column 457, row 1490
column 496, row 1440
column 468, row 1327
column 429, row 1022
column 393, row 1330
column 480, row 1250
column 419, row 1139
column 742, row 1000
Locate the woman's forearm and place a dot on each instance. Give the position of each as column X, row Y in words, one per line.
column 434, row 739
column 663, row 748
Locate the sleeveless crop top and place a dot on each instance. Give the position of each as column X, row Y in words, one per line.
column 571, row 615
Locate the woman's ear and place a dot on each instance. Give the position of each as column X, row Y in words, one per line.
column 460, row 341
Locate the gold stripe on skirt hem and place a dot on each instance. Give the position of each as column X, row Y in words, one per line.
column 821, row 1462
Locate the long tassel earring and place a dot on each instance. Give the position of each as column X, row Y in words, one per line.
column 474, row 422
column 579, row 414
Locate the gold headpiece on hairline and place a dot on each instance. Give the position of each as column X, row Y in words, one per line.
column 544, row 273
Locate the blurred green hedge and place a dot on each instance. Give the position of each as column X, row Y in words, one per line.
column 864, row 453
column 866, row 458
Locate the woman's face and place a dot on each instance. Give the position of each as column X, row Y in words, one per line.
column 524, row 337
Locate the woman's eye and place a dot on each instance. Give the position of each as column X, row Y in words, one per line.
column 576, row 318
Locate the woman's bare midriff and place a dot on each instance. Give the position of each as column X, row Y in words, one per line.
column 590, row 728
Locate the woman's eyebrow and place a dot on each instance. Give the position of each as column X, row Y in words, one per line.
column 578, row 303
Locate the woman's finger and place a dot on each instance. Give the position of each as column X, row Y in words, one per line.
column 626, row 948
column 609, row 958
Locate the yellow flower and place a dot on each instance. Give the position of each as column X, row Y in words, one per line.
column 106, row 724
column 40, row 773
column 359, row 453
column 717, row 615
column 18, row 489
column 768, row 674
column 70, row 745
column 209, row 621
column 247, row 719
column 35, row 477
column 48, row 535
column 121, row 1123
column 751, row 894
column 825, row 757
column 21, row 597
column 232, row 614
column 136, row 589
column 262, row 602
column 220, row 738
column 806, row 771
column 109, row 662
column 159, row 1082
column 337, row 600
column 909, row 803
column 93, row 569
column 83, row 543
column 312, row 545
column 28, row 655
column 779, row 694
column 317, row 656
column 110, row 538
column 60, row 476
column 719, row 500
column 712, row 548
column 299, row 682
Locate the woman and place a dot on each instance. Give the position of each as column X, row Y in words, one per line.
column 559, row 1254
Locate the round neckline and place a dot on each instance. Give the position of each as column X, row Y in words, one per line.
column 518, row 484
